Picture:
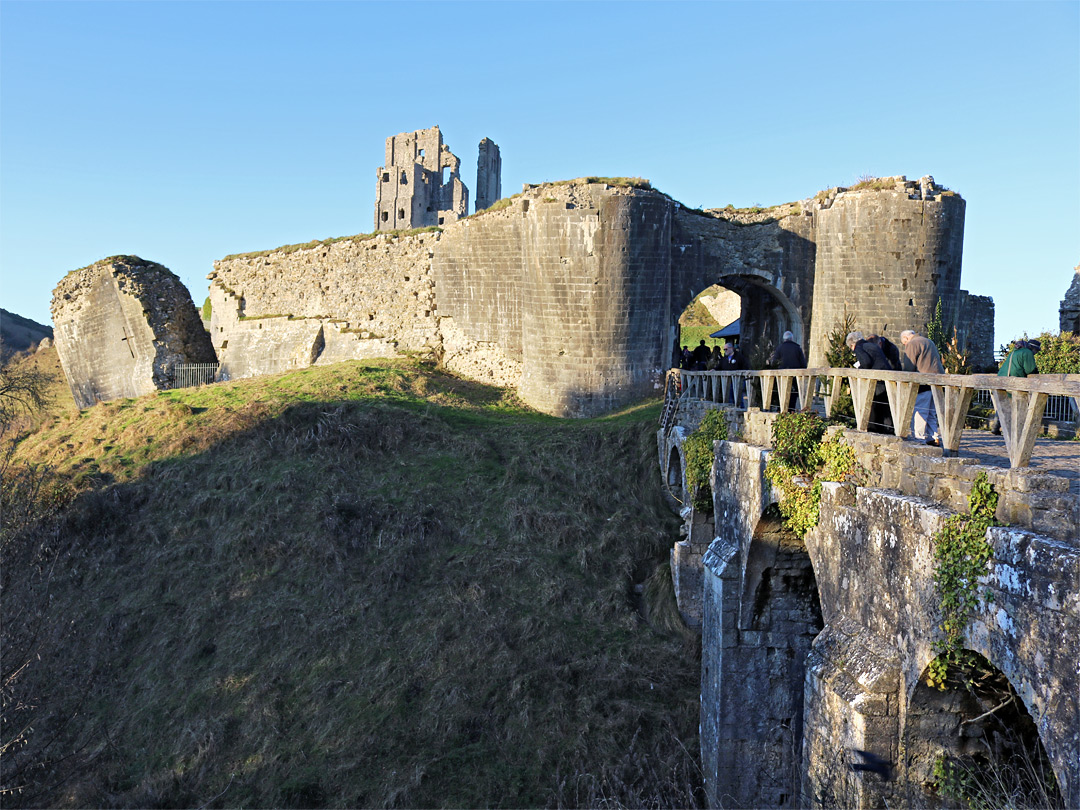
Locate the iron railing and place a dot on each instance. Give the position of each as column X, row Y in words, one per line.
column 189, row 375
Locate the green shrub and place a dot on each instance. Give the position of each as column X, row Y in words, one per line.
column 698, row 449
column 1060, row 353
column 206, row 309
column 800, row 461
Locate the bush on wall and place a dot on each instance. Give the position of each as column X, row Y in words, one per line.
column 698, row 450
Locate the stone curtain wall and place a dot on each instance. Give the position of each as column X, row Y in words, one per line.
column 886, row 256
column 975, row 330
column 571, row 292
column 351, row 299
column 120, row 325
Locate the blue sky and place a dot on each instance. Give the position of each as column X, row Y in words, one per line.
column 185, row 131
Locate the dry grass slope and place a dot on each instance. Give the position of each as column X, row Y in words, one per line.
column 370, row 585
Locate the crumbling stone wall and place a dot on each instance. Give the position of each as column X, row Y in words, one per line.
column 354, row 298
column 120, row 325
column 572, row 291
column 573, row 279
column 410, row 191
column 1069, row 312
column 975, row 330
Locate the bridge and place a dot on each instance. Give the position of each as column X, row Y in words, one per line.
column 815, row 650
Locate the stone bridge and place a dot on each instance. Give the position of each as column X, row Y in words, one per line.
column 816, row 648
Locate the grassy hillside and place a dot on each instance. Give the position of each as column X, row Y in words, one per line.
column 369, row 585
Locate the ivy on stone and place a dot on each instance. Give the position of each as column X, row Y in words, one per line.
column 698, row 450
column 962, row 556
column 801, row 459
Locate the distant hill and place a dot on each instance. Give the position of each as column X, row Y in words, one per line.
column 19, row 334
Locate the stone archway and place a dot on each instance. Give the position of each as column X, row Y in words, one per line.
column 975, row 743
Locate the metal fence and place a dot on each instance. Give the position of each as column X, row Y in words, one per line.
column 188, row 375
column 1058, row 409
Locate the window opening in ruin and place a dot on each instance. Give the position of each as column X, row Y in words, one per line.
column 401, row 213
column 386, row 177
column 385, row 216
column 404, row 178
column 445, row 175
column 420, row 153
column 976, row 743
column 440, row 220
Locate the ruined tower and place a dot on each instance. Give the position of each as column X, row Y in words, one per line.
column 420, row 185
column 488, row 174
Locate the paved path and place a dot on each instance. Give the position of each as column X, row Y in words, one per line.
column 1051, row 456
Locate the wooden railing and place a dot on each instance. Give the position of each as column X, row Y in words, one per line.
column 1019, row 402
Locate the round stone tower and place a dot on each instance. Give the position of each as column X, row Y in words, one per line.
column 886, row 254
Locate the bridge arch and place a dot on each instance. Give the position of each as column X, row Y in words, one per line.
column 975, row 741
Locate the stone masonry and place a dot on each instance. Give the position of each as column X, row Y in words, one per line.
column 120, row 325
column 421, row 186
column 488, row 174
column 572, row 291
column 1070, row 306
column 817, row 648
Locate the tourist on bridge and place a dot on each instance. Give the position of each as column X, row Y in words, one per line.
column 734, row 361
column 1019, row 363
column 868, row 355
column 788, row 355
column 1021, row 360
column 701, row 356
column 921, row 355
column 888, row 348
column 716, row 358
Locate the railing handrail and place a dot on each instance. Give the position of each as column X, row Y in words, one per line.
column 1054, row 384
column 1018, row 401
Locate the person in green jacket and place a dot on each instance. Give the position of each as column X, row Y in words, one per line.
column 1019, row 363
column 1021, row 360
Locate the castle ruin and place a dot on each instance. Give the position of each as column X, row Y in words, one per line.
column 571, row 293
column 420, row 186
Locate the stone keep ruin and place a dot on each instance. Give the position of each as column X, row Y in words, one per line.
column 571, row 292
column 121, row 325
column 420, row 186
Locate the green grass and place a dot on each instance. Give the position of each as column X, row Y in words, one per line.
column 364, row 585
column 691, row 335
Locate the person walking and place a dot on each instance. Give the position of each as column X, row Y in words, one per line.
column 868, row 356
column 921, row 355
column 789, row 355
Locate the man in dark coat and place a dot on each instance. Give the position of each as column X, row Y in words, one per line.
column 868, row 356
column 701, row 356
column 889, row 349
column 788, row 355
column 734, row 361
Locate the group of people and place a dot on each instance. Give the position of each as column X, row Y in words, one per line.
column 873, row 352
column 702, row 358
